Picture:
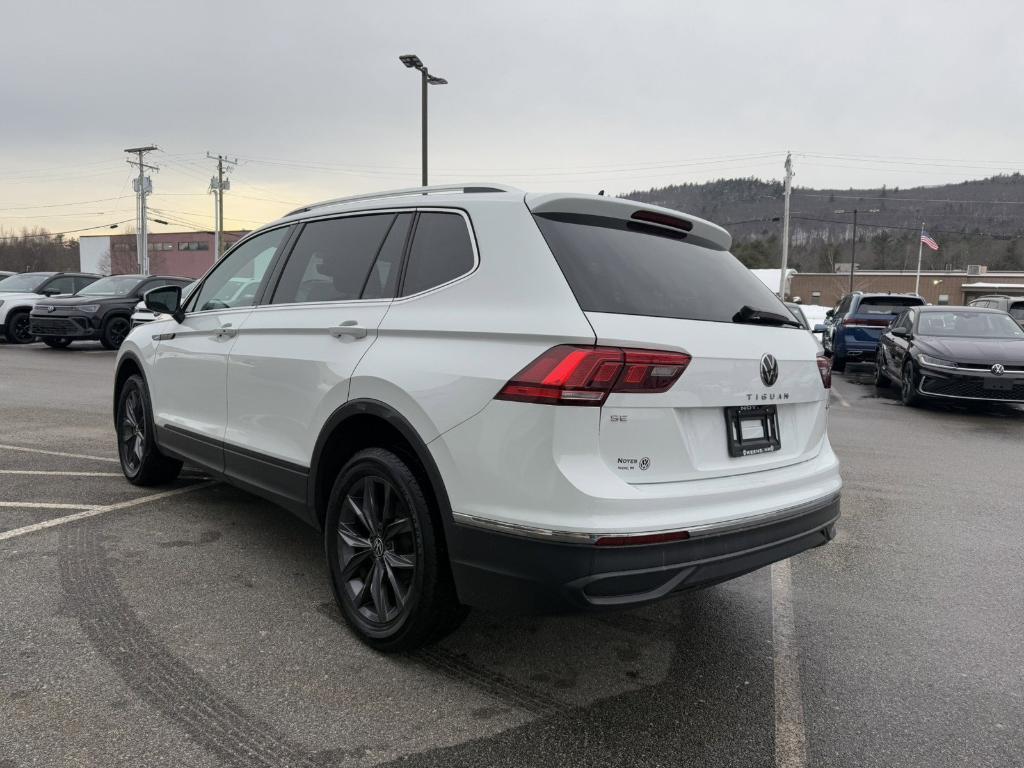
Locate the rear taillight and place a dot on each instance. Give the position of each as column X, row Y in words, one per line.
column 825, row 369
column 569, row 375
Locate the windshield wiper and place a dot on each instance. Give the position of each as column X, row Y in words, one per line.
column 751, row 316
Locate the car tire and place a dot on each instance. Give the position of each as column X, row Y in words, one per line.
column 386, row 556
column 57, row 342
column 114, row 331
column 908, row 386
column 141, row 460
column 19, row 328
column 881, row 377
column 838, row 364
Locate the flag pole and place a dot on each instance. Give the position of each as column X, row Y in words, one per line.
column 920, row 246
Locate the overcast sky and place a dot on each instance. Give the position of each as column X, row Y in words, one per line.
column 312, row 99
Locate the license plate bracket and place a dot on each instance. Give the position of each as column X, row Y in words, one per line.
column 999, row 385
column 752, row 429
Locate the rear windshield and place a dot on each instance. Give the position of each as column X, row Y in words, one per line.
column 618, row 267
column 887, row 305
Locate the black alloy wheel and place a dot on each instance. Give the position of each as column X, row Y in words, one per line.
column 385, row 553
column 19, row 328
column 377, row 550
column 141, row 460
column 908, row 385
column 132, row 433
column 114, row 332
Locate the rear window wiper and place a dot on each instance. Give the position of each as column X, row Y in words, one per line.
column 751, row 316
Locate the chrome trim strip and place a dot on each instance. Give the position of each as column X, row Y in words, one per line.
column 695, row 531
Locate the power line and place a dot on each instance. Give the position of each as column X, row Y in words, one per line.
column 913, row 199
column 66, row 232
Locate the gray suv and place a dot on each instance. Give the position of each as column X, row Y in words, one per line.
column 1013, row 305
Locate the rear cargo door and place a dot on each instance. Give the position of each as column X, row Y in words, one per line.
column 751, row 397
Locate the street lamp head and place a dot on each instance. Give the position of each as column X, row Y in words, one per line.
column 411, row 60
column 431, row 80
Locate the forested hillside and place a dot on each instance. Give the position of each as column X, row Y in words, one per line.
column 975, row 222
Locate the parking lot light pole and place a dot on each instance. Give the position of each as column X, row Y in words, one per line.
column 412, row 61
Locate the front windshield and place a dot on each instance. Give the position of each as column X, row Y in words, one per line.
column 969, row 324
column 115, row 285
column 27, row 281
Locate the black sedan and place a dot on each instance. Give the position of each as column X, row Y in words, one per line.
column 953, row 353
column 100, row 311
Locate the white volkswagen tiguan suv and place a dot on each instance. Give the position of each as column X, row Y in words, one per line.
column 481, row 397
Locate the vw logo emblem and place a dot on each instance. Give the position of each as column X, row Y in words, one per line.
column 998, row 369
column 769, row 370
column 378, row 547
column 50, row 309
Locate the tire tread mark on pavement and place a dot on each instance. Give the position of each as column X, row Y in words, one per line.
column 460, row 668
column 161, row 680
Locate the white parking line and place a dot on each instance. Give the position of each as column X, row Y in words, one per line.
column 44, row 505
column 55, row 453
column 790, row 736
column 94, row 511
column 842, row 400
column 58, row 474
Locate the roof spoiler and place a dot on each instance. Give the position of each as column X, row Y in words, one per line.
column 630, row 210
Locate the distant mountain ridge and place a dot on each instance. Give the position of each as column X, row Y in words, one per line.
column 975, row 222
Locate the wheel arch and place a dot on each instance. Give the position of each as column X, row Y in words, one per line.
column 366, row 423
column 129, row 365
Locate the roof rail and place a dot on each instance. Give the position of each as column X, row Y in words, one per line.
column 444, row 189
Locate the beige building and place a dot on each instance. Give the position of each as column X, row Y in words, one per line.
column 826, row 288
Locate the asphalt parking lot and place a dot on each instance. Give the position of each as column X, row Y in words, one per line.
column 193, row 626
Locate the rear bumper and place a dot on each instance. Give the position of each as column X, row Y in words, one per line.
column 510, row 572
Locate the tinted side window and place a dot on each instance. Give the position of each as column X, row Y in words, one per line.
column 235, row 281
column 81, row 282
column 332, row 259
column 63, row 284
column 382, row 281
column 844, row 306
column 441, row 251
column 1016, row 310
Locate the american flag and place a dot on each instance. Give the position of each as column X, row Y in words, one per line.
column 929, row 240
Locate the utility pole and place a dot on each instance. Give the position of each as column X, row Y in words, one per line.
column 785, row 227
column 143, row 186
column 853, row 250
column 219, row 184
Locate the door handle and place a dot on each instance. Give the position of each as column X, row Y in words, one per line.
column 348, row 328
column 226, row 331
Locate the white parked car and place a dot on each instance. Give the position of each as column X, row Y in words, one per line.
column 20, row 292
column 481, row 397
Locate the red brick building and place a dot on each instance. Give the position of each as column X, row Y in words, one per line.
column 183, row 254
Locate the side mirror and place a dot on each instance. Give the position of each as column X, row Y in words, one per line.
column 166, row 300
column 830, row 313
column 819, row 328
column 901, row 332
column 50, row 292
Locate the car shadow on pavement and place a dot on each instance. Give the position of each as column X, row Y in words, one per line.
column 685, row 680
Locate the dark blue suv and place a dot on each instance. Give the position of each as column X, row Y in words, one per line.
column 854, row 326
